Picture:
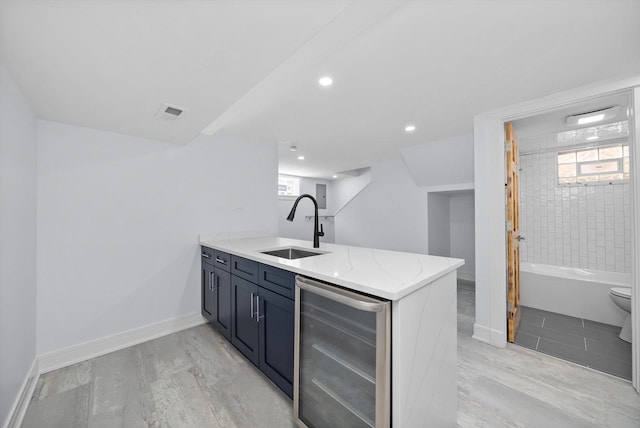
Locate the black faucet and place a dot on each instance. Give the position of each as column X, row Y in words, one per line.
column 316, row 233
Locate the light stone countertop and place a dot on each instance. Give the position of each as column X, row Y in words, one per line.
column 386, row 274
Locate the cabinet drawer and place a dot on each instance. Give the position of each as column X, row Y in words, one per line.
column 247, row 269
column 207, row 255
column 216, row 258
column 221, row 260
column 277, row 280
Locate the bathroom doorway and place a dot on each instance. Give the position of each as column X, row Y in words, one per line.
column 575, row 236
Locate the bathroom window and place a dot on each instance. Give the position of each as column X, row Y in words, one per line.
column 288, row 185
column 595, row 165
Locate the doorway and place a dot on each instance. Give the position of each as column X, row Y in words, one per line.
column 489, row 173
column 575, row 235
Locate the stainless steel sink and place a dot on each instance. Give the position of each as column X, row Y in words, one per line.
column 291, row 253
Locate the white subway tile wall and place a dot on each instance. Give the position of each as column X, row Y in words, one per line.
column 585, row 227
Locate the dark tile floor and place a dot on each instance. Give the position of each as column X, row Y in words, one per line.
column 588, row 343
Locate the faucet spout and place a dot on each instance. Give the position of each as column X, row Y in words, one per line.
column 317, row 233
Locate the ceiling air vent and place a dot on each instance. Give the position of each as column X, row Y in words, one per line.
column 170, row 112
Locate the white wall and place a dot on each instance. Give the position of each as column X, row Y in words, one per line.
column 439, row 224
column 346, row 189
column 462, row 232
column 451, row 228
column 586, row 227
column 118, row 224
column 390, row 213
column 489, row 181
column 300, row 227
column 445, row 169
column 445, row 162
column 18, row 156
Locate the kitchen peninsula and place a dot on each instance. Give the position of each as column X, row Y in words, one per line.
column 422, row 294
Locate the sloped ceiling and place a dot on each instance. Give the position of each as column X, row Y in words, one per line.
column 112, row 64
column 251, row 68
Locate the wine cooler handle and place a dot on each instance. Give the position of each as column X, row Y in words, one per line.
column 347, row 298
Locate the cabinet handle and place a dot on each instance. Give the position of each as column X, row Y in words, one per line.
column 212, row 276
column 219, row 260
column 258, row 309
column 206, row 256
column 251, row 305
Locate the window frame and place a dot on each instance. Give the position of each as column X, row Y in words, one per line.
column 578, row 164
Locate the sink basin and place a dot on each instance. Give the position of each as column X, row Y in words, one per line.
column 291, row 253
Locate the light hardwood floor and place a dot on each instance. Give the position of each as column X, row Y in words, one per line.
column 195, row 378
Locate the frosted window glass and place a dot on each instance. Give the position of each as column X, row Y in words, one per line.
column 610, row 152
column 567, row 157
column 598, row 167
column 587, row 155
column 567, row 170
column 606, row 177
column 587, row 178
column 567, row 180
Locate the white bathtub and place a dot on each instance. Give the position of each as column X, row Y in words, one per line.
column 580, row 293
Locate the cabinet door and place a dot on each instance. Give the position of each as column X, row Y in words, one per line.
column 276, row 315
column 223, row 302
column 208, row 296
column 244, row 326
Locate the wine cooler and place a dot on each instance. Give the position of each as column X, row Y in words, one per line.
column 342, row 357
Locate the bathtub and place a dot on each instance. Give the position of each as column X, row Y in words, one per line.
column 581, row 293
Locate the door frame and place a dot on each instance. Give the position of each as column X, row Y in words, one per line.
column 490, row 217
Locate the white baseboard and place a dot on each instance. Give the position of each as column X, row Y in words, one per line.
column 19, row 408
column 94, row 348
column 488, row 335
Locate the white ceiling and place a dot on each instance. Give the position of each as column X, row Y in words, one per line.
column 251, row 67
column 112, row 64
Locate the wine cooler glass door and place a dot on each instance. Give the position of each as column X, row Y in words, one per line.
column 342, row 357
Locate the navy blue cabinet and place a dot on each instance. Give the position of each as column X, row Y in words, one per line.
column 216, row 294
column 277, row 280
column 244, row 325
column 208, row 301
column 276, row 314
column 222, row 292
column 247, row 269
column 258, row 316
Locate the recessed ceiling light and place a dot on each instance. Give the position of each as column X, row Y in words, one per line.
column 335, row 176
column 593, row 116
column 325, row 81
column 409, row 128
column 593, row 137
column 300, row 157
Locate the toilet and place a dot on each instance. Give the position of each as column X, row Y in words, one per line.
column 622, row 297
